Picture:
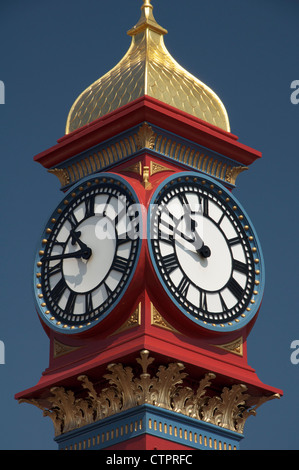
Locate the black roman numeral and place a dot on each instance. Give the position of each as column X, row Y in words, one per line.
column 183, row 286
column 120, row 264
column 58, row 290
column 166, row 225
column 89, row 206
column 203, row 301
column 88, row 302
column 205, row 207
column 235, row 288
column 166, row 211
column 120, row 215
column 223, row 304
column 62, row 244
column 170, row 262
column 234, row 241
column 165, row 237
column 183, row 199
column 240, row 267
column 124, row 238
column 221, row 219
column 72, row 220
column 56, row 269
column 107, row 205
column 70, row 305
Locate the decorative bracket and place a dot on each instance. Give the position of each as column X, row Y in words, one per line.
column 145, row 137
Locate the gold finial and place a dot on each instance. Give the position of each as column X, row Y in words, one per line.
column 147, row 20
column 147, row 69
column 147, row 3
column 147, row 7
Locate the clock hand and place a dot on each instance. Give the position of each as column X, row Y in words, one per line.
column 76, row 238
column 204, row 250
column 200, row 247
column 182, row 235
column 83, row 253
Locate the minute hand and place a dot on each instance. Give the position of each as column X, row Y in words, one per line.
column 75, row 254
column 197, row 243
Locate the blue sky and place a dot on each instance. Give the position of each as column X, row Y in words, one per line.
column 247, row 52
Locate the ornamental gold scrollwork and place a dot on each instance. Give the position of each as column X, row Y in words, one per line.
column 145, row 137
column 60, row 349
column 133, row 321
column 69, row 410
column 234, row 347
column 233, row 173
column 157, row 168
column 158, row 320
column 61, row 174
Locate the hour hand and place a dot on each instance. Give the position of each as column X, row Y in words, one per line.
column 76, row 239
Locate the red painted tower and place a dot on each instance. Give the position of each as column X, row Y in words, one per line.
column 149, row 274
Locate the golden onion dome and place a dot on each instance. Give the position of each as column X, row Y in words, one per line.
column 147, row 69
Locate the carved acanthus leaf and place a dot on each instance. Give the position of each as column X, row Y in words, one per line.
column 165, row 389
column 145, row 137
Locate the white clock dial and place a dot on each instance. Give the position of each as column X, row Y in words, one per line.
column 89, row 253
column 204, row 251
column 84, row 275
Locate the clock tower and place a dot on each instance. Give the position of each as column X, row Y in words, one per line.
column 149, row 274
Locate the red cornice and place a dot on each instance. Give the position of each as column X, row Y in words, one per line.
column 157, row 113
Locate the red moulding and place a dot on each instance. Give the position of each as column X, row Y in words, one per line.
column 157, row 113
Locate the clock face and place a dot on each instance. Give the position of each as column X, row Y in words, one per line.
column 88, row 253
column 205, row 252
